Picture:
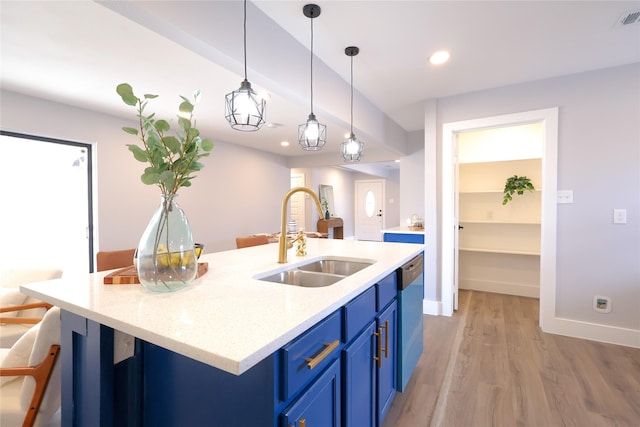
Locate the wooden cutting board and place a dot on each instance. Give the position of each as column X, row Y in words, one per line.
column 129, row 275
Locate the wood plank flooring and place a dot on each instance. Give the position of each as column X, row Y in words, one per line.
column 491, row 365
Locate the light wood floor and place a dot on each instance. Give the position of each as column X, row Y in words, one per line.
column 507, row 372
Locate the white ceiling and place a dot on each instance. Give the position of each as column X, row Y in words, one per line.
column 76, row 52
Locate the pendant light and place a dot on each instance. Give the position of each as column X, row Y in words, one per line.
column 312, row 135
column 245, row 109
column 351, row 149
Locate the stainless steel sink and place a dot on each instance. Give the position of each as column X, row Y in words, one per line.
column 302, row 278
column 335, row 266
column 318, row 273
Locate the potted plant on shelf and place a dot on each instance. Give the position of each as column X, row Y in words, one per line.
column 516, row 184
column 166, row 259
column 325, row 208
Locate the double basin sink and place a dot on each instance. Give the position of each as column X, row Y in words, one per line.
column 318, row 273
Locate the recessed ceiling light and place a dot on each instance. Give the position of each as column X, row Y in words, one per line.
column 439, row 57
column 284, row 143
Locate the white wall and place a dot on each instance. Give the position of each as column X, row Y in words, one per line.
column 412, row 185
column 599, row 159
column 239, row 192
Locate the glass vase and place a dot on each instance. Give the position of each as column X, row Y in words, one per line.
column 166, row 259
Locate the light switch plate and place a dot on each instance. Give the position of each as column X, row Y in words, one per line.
column 565, row 196
column 619, row 216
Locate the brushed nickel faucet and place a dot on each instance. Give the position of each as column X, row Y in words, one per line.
column 283, row 243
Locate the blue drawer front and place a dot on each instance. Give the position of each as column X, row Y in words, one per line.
column 387, row 290
column 296, row 372
column 358, row 313
column 319, row 405
column 404, row 238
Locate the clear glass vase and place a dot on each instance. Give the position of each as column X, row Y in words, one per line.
column 166, row 259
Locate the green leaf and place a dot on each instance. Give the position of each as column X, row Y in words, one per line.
column 186, row 107
column 138, row 153
column 149, row 96
column 172, row 144
column 132, row 131
column 167, row 178
column 162, row 126
column 126, row 93
column 150, row 178
column 196, row 166
column 206, row 144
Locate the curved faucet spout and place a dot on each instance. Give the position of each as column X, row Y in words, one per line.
column 282, row 243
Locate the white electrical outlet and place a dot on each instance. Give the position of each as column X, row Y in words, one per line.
column 564, row 196
column 602, row 304
column 619, row 216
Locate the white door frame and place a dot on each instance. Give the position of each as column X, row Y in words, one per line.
column 549, row 119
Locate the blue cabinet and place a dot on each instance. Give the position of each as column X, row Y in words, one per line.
column 359, row 380
column 370, row 359
column 387, row 364
column 319, row 405
column 342, row 371
column 404, row 237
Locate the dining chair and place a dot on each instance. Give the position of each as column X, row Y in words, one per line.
column 108, row 260
column 19, row 312
column 245, row 242
column 30, row 376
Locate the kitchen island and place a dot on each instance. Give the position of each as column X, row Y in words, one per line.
column 221, row 338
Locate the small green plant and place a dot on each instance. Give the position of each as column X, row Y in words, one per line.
column 325, row 204
column 516, row 184
column 173, row 158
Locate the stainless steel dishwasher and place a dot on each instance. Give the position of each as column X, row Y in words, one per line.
column 410, row 330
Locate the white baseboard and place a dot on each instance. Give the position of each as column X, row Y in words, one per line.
column 531, row 291
column 593, row 332
column 432, row 307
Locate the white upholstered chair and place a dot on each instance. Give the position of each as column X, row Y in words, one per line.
column 19, row 312
column 30, row 376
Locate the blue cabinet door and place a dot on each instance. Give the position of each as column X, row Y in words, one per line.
column 387, row 369
column 318, row 405
column 359, row 409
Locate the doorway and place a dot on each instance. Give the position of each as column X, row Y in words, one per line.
column 369, row 215
column 48, row 212
column 450, row 221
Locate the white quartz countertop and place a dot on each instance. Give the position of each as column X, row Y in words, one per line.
column 227, row 318
column 402, row 229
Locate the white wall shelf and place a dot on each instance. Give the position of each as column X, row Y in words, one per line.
column 501, row 251
column 506, row 222
column 500, row 244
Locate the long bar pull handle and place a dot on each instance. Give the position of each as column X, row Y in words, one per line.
column 312, row 362
column 378, row 358
column 386, row 338
column 302, row 423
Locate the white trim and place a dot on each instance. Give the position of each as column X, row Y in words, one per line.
column 593, row 331
column 509, row 288
column 549, row 118
column 432, row 307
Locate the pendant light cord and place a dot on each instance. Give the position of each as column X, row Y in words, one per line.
column 311, row 65
column 245, row 39
column 351, row 97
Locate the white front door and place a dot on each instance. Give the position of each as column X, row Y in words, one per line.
column 369, row 209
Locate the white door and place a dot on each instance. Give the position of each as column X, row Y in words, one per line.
column 369, row 209
column 456, row 221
